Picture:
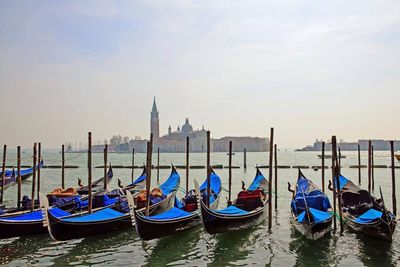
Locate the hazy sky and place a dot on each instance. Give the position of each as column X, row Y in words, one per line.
column 309, row 68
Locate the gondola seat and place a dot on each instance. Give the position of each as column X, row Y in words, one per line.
column 249, row 200
column 357, row 203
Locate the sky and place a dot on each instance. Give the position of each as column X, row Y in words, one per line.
column 310, row 69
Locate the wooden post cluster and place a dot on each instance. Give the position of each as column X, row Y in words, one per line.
column 148, row 174
column 19, row 177
column 105, row 167
column 394, row 205
column 208, row 169
column 369, row 165
column 3, row 172
column 359, row 164
column 187, row 163
column 323, row 167
column 34, row 176
column 39, row 167
column 230, row 174
column 276, row 175
column 63, row 167
column 271, row 154
column 89, row 172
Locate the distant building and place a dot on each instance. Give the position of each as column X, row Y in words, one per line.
column 175, row 141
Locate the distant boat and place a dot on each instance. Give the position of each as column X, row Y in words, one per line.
column 233, row 153
column 397, row 156
column 330, row 156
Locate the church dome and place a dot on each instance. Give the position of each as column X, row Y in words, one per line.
column 187, row 127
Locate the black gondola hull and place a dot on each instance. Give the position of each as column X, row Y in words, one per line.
column 10, row 229
column 151, row 229
column 61, row 230
column 380, row 228
column 216, row 223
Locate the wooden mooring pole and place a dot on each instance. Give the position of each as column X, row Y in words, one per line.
column 133, row 165
column 271, row 154
column 187, row 163
column 34, row 176
column 333, row 167
column 244, row 158
column 323, row 166
column 394, row 204
column 208, row 169
column 89, row 172
column 62, row 167
column 3, row 172
column 339, row 160
column 369, row 165
column 372, row 168
column 230, row 174
column 359, row 164
column 158, row 165
column 39, row 167
column 336, row 176
column 148, row 174
column 19, row 179
column 276, row 175
column 105, row 166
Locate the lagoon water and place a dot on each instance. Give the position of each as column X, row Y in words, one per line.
column 256, row 246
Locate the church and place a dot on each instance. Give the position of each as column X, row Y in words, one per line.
column 175, row 141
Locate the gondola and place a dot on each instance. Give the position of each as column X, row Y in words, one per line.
column 11, row 176
column 26, row 222
column 364, row 213
column 183, row 216
column 247, row 210
column 107, row 219
column 96, row 185
column 310, row 209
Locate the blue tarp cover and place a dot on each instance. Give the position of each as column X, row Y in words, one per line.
column 256, row 182
column 173, row 213
column 171, row 183
column 343, row 181
column 100, row 215
column 315, row 199
column 318, row 216
column 369, row 216
column 36, row 215
column 139, row 179
column 30, row 216
column 215, row 183
column 232, row 210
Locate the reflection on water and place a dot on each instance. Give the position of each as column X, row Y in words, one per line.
column 376, row 252
column 312, row 253
column 179, row 249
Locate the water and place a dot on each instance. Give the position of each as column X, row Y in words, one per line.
column 256, row 246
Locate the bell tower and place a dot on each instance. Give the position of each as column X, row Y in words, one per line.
column 155, row 121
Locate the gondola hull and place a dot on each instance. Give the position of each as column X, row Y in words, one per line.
column 10, row 229
column 60, row 229
column 217, row 223
column 151, row 229
column 377, row 229
column 313, row 231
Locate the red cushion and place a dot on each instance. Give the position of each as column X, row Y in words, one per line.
column 248, row 195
